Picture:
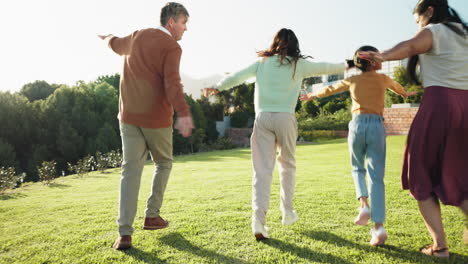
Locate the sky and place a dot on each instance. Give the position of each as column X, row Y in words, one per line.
column 56, row 40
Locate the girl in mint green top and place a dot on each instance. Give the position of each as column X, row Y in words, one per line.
column 277, row 85
column 279, row 73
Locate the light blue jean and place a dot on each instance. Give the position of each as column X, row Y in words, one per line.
column 366, row 141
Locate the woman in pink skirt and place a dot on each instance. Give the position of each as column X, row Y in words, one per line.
column 435, row 165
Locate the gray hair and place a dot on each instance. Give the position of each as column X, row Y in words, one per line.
column 174, row 10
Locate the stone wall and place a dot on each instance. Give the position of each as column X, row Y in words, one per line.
column 398, row 120
column 341, row 133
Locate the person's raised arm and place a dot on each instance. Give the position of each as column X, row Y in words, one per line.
column 309, row 68
column 118, row 45
column 327, row 91
column 398, row 89
column 232, row 80
column 420, row 43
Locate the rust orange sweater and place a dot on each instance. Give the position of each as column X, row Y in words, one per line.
column 150, row 84
column 367, row 91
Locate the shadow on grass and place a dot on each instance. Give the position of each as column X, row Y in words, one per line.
column 9, row 196
column 58, row 185
column 240, row 153
column 179, row 242
column 304, row 253
column 143, row 256
column 387, row 250
column 323, row 142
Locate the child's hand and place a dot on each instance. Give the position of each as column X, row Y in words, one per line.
column 307, row 97
column 410, row 93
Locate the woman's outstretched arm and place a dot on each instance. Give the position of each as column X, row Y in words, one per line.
column 420, row 43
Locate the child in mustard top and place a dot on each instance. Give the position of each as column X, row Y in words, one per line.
column 366, row 138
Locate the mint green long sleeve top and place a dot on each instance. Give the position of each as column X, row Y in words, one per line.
column 276, row 90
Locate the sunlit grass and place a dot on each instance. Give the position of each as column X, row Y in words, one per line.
column 208, row 202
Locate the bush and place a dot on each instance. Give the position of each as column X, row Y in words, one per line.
column 47, row 172
column 334, row 106
column 337, row 121
column 9, row 179
column 315, row 135
column 211, row 131
column 239, row 119
column 220, row 144
column 223, row 143
column 83, row 166
column 309, row 109
column 114, row 158
column 196, row 139
column 102, row 162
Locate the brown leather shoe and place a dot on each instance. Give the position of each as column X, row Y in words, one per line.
column 122, row 243
column 153, row 223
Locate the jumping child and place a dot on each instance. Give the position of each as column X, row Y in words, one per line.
column 366, row 138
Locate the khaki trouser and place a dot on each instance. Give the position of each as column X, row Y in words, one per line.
column 136, row 142
column 272, row 133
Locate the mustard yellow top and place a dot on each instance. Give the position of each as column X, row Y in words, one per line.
column 367, row 91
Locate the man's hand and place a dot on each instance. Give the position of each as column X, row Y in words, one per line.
column 184, row 125
column 103, row 37
column 209, row 91
column 307, row 97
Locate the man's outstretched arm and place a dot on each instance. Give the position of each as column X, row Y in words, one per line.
column 118, row 45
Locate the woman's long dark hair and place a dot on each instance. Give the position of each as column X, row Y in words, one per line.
column 444, row 14
column 284, row 44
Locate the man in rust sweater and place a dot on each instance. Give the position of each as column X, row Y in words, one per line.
column 150, row 90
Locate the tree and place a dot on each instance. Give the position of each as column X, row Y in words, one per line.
column 69, row 142
column 225, row 99
column 37, row 90
column 306, row 82
column 18, row 127
column 213, row 112
column 40, row 153
column 192, row 143
column 7, row 155
column 309, row 109
column 113, row 80
column 243, row 98
column 107, row 139
column 334, row 103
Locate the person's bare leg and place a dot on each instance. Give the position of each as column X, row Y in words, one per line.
column 364, row 213
column 430, row 210
column 364, row 202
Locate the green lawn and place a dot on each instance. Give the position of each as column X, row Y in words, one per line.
column 208, row 203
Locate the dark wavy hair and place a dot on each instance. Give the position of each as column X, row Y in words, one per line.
column 444, row 14
column 285, row 44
